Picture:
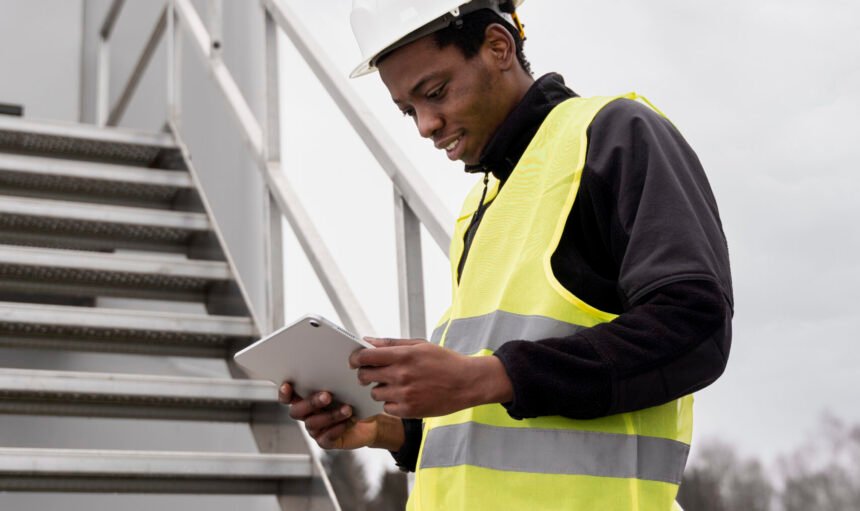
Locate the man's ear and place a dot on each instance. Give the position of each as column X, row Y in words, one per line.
column 500, row 46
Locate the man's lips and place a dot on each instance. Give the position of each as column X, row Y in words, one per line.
column 448, row 143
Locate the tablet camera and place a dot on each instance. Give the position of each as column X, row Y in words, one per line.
column 314, row 323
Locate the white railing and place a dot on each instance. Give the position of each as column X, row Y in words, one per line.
column 413, row 203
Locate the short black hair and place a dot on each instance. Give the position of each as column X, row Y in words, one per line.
column 468, row 35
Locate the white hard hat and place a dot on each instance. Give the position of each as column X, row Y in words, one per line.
column 381, row 26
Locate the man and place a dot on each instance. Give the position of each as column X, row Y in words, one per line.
column 592, row 292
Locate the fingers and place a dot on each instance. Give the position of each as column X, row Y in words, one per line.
column 303, row 408
column 388, row 343
column 369, row 357
column 320, row 422
column 286, row 395
column 394, row 409
column 332, row 438
column 326, row 426
column 368, row 375
column 384, row 394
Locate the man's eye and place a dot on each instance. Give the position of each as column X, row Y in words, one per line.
column 435, row 93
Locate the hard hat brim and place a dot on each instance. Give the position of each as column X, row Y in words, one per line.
column 367, row 66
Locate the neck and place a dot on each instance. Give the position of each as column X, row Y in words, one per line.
column 521, row 83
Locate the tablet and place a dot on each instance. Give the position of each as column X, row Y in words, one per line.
column 313, row 354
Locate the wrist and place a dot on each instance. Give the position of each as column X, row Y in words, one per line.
column 389, row 433
column 490, row 381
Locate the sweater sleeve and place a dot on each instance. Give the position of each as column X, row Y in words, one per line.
column 673, row 343
column 407, row 457
column 656, row 238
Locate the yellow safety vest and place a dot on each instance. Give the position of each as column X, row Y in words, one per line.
column 482, row 459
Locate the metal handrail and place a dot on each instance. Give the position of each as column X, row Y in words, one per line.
column 332, row 279
column 414, row 204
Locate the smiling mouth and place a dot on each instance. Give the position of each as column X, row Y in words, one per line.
column 452, row 148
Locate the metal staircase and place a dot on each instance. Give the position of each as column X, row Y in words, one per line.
column 120, row 305
column 107, row 254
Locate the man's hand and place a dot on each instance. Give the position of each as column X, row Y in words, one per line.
column 418, row 379
column 337, row 428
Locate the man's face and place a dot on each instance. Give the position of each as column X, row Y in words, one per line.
column 457, row 103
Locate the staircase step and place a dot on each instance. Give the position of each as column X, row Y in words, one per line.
column 49, row 221
column 78, row 273
column 83, row 141
column 40, row 176
column 120, row 330
column 72, row 470
column 38, row 392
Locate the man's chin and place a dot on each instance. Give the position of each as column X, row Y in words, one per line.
column 470, row 161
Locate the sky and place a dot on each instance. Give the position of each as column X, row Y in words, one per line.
column 764, row 91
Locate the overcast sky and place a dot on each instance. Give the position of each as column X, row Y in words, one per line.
column 766, row 92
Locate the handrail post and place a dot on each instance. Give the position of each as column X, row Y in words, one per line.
column 410, row 272
column 103, row 62
column 174, row 65
column 274, row 236
column 215, row 25
column 102, row 81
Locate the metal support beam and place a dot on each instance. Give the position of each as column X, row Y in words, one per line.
column 110, row 19
column 102, row 82
column 142, row 63
column 274, row 235
column 410, row 273
column 174, row 66
column 273, row 102
column 405, row 177
column 103, row 62
column 274, row 254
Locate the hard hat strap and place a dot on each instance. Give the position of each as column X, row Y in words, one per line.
column 519, row 25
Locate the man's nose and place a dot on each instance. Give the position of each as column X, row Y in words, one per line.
column 428, row 123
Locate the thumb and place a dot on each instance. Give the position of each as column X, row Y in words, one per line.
column 388, row 343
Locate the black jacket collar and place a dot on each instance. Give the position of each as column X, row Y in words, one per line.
column 517, row 130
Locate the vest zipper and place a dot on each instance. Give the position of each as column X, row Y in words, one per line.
column 480, row 209
column 473, row 228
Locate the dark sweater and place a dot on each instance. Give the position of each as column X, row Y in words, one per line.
column 644, row 241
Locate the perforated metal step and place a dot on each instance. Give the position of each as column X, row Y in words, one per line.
column 58, row 223
column 67, row 188
column 70, row 272
column 124, row 395
column 80, row 141
column 149, row 472
column 88, row 328
column 40, row 176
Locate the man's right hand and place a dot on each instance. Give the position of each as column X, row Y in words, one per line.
column 337, row 428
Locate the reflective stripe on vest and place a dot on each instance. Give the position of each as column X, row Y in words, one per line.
column 481, row 458
column 556, row 451
column 471, row 335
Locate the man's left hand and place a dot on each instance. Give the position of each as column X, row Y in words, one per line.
column 418, row 379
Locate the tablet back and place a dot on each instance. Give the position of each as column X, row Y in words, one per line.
column 313, row 354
